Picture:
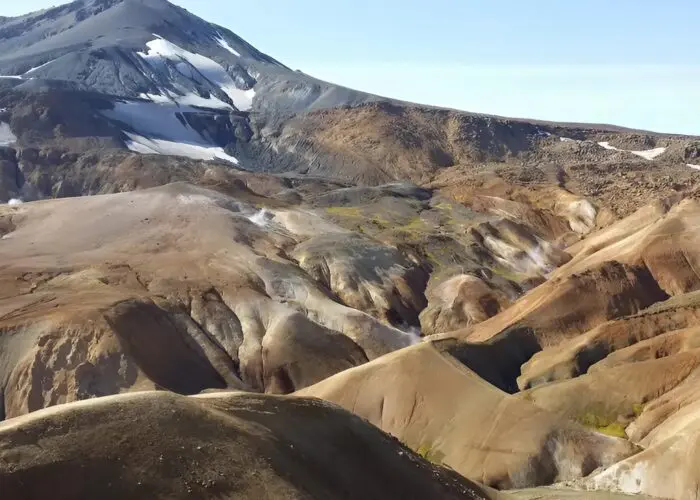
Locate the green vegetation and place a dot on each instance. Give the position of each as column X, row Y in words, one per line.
column 428, row 453
column 360, row 218
column 637, row 408
column 602, row 424
column 443, row 205
column 615, row 429
column 414, row 225
column 377, row 220
column 505, row 273
column 345, row 211
column 433, row 260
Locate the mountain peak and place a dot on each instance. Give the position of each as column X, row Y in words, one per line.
column 167, row 75
column 112, row 47
column 98, row 42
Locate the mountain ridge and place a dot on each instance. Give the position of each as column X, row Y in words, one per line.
column 163, row 9
column 156, row 79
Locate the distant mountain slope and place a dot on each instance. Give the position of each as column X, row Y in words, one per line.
column 150, row 77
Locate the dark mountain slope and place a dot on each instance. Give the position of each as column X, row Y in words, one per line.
column 149, row 76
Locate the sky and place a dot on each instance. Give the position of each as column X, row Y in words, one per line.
column 634, row 63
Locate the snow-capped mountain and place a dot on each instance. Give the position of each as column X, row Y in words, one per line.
column 145, row 75
column 129, row 48
column 169, row 75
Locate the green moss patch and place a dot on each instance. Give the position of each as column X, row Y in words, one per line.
column 345, row 211
column 637, row 409
column 431, row 455
column 602, row 424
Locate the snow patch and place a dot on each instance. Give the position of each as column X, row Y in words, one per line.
column 414, row 333
column 530, row 260
column 21, row 77
column 540, row 133
column 243, row 99
column 190, row 99
column 161, row 121
column 261, row 218
column 144, row 145
column 696, row 167
column 626, row 477
column 160, row 128
column 649, row 154
column 193, row 199
column 581, row 215
column 196, row 67
column 6, row 135
column 223, row 43
column 39, row 67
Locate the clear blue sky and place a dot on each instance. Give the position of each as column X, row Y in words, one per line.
column 628, row 62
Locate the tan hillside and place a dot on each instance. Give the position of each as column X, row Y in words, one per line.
column 437, row 406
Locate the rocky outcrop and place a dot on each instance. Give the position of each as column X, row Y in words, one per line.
column 461, row 301
column 366, row 275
